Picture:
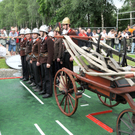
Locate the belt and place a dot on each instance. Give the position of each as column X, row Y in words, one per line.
column 35, row 56
column 22, row 48
column 43, row 54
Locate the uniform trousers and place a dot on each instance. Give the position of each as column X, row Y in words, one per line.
column 31, row 74
column 36, row 73
column 47, row 80
column 25, row 72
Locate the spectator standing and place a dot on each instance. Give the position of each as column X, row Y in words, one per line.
column 111, row 36
column 89, row 33
column 17, row 41
column 12, row 45
column 4, row 30
column 125, row 35
column 3, row 38
column 120, row 37
column 98, row 31
column 133, row 43
column 104, row 35
column 95, row 35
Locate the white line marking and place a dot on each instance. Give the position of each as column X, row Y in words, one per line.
column 85, row 105
column 31, row 92
column 39, row 129
column 86, row 95
column 0, row 133
column 64, row 127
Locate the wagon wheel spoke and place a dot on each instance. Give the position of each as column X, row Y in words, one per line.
column 124, row 132
column 70, row 90
column 130, row 120
column 71, row 96
column 61, row 82
column 60, row 87
column 65, row 104
column 59, row 94
column 62, row 100
column 126, row 124
column 105, row 99
column 110, row 102
column 71, row 102
column 68, row 104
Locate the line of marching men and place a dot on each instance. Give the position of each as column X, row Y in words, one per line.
column 42, row 56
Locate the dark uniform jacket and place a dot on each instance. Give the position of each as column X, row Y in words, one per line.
column 47, row 48
column 28, row 48
column 58, row 49
column 23, row 47
column 35, row 49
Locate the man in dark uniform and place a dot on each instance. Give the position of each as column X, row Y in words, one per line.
column 28, row 55
column 67, row 59
column 36, row 69
column 46, row 50
column 58, row 50
column 23, row 56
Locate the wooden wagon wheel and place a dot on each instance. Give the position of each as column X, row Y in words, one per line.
column 107, row 102
column 126, row 122
column 65, row 92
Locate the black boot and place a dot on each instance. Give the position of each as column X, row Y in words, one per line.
column 29, row 82
column 46, row 95
column 21, row 78
column 41, row 93
column 33, row 84
column 24, row 79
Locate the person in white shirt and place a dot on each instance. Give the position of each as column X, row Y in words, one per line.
column 125, row 35
column 95, row 35
column 111, row 36
column 104, row 35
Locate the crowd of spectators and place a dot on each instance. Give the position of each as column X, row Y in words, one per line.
column 114, row 38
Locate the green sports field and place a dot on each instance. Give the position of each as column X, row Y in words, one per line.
column 20, row 110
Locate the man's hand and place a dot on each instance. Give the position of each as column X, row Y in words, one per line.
column 48, row 65
column 31, row 61
column 71, row 58
column 38, row 64
column 58, row 59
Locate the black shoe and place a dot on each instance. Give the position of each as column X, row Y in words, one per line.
column 46, row 95
column 29, row 82
column 24, row 79
column 21, row 78
column 37, row 89
column 41, row 93
column 32, row 85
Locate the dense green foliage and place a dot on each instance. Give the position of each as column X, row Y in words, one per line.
column 84, row 13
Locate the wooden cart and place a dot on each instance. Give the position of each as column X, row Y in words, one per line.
column 101, row 75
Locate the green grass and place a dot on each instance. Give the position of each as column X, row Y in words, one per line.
column 3, row 63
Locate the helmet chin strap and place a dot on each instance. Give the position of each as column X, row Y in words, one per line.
column 66, row 26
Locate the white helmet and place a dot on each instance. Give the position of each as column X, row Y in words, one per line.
column 22, row 31
column 44, row 28
column 51, row 34
column 35, row 30
column 27, row 31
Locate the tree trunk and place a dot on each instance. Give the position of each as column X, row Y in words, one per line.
column 102, row 20
column 31, row 25
column 131, row 21
column 88, row 20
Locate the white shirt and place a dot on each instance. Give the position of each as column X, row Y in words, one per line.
column 124, row 35
column 104, row 36
column 110, row 34
column 5, row 33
